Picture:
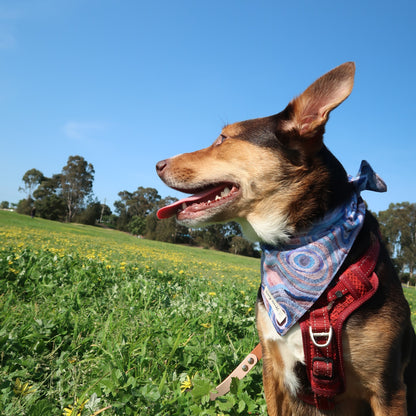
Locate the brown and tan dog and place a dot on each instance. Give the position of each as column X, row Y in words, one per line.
column 276, row 178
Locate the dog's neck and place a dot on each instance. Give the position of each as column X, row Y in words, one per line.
column 296, row 273
column 310, row 210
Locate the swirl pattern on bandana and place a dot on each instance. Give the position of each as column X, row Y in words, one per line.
column 295, row 276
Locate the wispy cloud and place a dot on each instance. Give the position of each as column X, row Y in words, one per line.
column 82, row 130
column 7, row 41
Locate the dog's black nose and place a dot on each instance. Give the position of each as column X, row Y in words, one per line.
column 160, row 166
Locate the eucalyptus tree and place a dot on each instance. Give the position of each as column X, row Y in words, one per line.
column 398, row 226
column 77, row 179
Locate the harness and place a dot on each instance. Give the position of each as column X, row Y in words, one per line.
column 322, row 328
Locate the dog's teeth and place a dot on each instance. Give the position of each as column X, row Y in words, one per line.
column 184, row 206
column 217, row 197
column 225, row 192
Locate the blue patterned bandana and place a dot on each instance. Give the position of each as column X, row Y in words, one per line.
column 293, row 277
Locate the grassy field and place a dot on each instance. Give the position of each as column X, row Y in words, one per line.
column 95, row 321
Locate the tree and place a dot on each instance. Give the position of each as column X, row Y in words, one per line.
column 49, row 201
column 168, row 229
column 398, row 227
column 137, row 225
column 217, row 236
column 4, row 205
column 140, row 204
column 76, row 180
column 31, row 179
column 25, row 206
column 239, row 245
column 90, row 215
column 105, row 211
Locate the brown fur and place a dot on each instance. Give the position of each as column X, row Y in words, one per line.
column 285, row 179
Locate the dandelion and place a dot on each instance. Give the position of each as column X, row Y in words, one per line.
column 186, row 384
column 207, row 325
column 22, row 389
column 76, row 409
column 212, row 294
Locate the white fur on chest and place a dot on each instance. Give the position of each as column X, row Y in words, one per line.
column 290, row 347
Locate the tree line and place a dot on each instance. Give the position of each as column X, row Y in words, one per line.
column 68, row 196
column 398, row 228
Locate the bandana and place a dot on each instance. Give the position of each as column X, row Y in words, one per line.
column 293, row 277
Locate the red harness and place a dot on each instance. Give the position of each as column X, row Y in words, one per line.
column 322, row 332
column 322, row 328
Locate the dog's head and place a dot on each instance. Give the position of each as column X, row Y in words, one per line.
column 273, row 175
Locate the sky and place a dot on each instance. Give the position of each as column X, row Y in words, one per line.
column 127, row 83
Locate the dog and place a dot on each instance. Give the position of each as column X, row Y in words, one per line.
column 277, row 179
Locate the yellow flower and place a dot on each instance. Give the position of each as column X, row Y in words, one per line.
column 76, row 409
column 186, row 384
column 211, row 293
column 206, row 325
column 22, row 389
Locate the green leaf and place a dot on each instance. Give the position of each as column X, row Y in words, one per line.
column 150, row 393
column 201, row 388
column 225, row 404
column 241, row 406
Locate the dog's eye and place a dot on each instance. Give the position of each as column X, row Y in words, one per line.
column 219, row 140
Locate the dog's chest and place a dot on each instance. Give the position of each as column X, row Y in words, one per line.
column 290, row 347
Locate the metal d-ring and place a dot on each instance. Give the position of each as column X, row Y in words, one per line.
column 321, row 334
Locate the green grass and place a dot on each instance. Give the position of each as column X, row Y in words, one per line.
column 95, row 314
column 410, row 293
column 96, row 319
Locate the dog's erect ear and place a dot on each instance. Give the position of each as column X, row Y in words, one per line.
column 310, row 111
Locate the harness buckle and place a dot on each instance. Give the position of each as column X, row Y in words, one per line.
column 319, row 335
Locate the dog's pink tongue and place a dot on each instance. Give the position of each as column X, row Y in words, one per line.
column 172, row 209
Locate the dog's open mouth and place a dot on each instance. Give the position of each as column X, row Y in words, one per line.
column 193, row 206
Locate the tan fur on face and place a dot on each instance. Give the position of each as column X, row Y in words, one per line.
column 273, row 192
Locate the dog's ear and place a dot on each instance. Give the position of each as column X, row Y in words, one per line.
column 310, row 111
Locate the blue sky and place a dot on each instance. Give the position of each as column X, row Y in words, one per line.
column 127, row 83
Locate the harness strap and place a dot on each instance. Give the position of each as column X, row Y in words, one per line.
column 322, row 328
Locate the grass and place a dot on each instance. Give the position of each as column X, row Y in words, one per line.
column 95, row 321
column 410, row 293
